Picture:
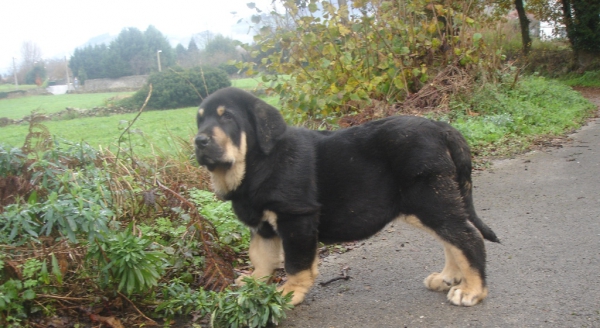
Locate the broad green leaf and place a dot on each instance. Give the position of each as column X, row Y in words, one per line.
column 28, row 294
column 56, row 269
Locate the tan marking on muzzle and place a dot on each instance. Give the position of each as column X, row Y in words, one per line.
column 226, row 180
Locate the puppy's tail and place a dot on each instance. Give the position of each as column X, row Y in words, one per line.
column 461, row 156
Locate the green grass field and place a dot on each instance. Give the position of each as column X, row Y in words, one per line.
column 153, row 127
column 11, row 87
column 157, row 128
column 18, row 107
column 246, row 84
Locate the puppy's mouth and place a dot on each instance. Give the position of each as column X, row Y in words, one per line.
column 212, row 162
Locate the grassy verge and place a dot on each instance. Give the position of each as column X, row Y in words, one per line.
column 500, row 121
column 588, row 79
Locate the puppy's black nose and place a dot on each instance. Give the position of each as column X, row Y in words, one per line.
column 202, row 141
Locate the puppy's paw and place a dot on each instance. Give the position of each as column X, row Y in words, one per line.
column 462, row 295
column 299, row 292
column 239, row 281
column 440, row 283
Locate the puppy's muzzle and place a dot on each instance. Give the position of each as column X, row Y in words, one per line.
column 201, row 141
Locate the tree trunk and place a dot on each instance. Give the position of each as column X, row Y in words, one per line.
column 524, row 22
column 568, row 21
column 582, row 22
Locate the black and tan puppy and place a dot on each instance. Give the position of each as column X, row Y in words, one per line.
column 294, row 187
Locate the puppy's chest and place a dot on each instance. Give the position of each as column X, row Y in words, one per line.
column 248, row 214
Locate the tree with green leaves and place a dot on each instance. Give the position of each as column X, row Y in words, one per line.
column 37, row 74
column 192, row 46
column 156, row 41
column 89, row 62
column 524, row 23
column 581, row 20
column 133, row 52
column 191, row 57
column 127, row 54
column 180, row 52
column 220, row 50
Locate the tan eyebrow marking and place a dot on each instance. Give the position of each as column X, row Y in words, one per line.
column 201, row 112
column 220, row 110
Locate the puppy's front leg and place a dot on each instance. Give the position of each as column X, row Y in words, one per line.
column 298, row 234
column 266, row 255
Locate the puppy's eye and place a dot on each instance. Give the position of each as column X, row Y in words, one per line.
column 227, row 115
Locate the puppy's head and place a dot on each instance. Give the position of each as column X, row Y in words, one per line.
column 232, row 122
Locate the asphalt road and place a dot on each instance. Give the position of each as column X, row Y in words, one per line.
column 544, row 206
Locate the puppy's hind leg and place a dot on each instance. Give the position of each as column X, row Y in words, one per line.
column 472, row 288
column 450, row 276
column 436, row 206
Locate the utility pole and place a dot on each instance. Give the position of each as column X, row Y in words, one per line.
column 67, row 68
column 158, row 59
column 15, row 74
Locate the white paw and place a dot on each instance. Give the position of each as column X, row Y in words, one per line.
column 437, row 282
column 462, row 296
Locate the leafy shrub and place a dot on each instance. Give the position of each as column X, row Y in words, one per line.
column 68, row 200
column 228, row 68
column 179, row 299
column 127, row 260
column 180, row 88
column 385, row 50
column 16, row 294
column 12, row 161
column 256, row 304
column 64, row 236
column 231, row 231
column 253, row 305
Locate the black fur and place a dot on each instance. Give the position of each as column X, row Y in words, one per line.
column 348, row 184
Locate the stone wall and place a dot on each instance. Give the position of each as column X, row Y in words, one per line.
column 69, row 113
column 126, row 83
column 24, row 93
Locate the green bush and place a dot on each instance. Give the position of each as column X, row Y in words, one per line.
column 232, row 231
column 68, row 201
column 129, row 261
column 339, row 62
column 255, row 304
column 179, row 88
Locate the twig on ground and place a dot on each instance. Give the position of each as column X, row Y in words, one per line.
column 344, row 276
column 149, row 321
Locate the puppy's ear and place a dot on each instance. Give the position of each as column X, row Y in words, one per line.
column 269, row 125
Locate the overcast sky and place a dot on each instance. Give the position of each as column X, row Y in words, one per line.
column 60, row 26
